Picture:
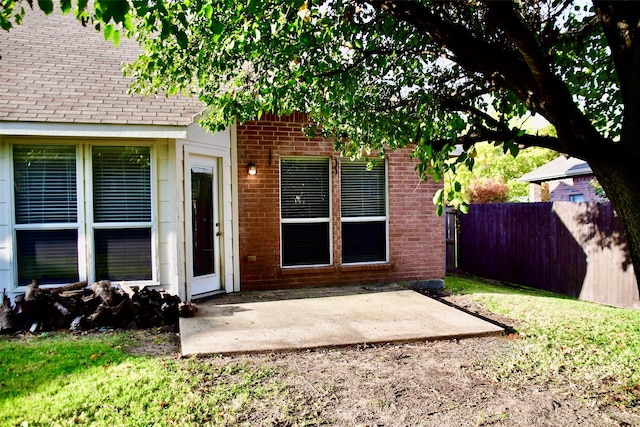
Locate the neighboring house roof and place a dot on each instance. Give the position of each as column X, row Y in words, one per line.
column 561, row 167
column 52, row 69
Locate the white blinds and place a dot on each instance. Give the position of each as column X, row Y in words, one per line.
column 304, row 188
column 362, row 191
column 45, row 184
column 122, row 184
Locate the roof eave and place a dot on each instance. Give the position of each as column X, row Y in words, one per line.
column 566, row 174
column 92, row 130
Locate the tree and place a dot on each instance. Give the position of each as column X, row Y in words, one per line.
column 382, row 74
column 491, row 162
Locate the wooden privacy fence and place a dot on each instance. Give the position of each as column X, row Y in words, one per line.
column 577, row 249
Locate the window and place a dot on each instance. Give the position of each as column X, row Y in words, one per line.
column 305, row 213
column 576, row 198
column 50, row 227
column 122, row 213
column 363, row 212
column 46, row 213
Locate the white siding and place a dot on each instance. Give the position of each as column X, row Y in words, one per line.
column 6, row 269
column 216, row 145
column 179, row 237
column 169, row 215
column 168, row 207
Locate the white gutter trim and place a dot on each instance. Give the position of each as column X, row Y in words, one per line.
column 565, row 174
column 92, row 130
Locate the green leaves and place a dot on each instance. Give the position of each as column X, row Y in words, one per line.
column 438, row 200
column 367, row 76
column 46, row 6
column 116, row 10
column 491, row 161
column 183, row 40
column 65, row 6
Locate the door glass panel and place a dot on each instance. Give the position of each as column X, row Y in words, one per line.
column 202, row 221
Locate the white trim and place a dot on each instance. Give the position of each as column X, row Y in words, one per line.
column 558, row 175
column 193, row 160
column 304, row 220
column 364, row 219
column 85, row 224
column 235, row 212
column 84, row 266
column 226, row 252
column 317, row 220
column 91, row 130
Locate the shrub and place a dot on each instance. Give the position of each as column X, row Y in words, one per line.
column 488, row 190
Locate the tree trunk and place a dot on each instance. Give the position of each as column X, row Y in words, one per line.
column 620, row 180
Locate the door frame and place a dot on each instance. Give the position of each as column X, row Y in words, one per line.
column 191, row 154
column 210, row 282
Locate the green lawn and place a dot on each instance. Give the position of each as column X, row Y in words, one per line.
column 62, row 379
column 66, row 380
column 585, row 346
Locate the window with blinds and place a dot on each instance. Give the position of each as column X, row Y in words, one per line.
column 121, row 184
column 46, row 213
column 45, row 184
column 51, row 230
column 305, row 211
column 122, row 195
column 363, row 209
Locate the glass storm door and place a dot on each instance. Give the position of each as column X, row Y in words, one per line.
column 205, row 226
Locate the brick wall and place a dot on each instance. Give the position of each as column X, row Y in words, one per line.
column 561, row 190
column 416, row 234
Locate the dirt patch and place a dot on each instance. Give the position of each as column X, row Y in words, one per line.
column 155, row 342
column 442, row 383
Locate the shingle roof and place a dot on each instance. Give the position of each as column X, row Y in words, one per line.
column 561, row 167
column 55, row 70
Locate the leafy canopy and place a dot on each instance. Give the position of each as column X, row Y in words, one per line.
column 379, row 74
column 492, row 162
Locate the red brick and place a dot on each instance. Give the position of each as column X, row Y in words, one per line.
column 416, row 234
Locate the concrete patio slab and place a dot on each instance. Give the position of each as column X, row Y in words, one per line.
column 323, row 317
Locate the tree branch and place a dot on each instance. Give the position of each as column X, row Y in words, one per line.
column 366, row 54
column 488, row 135
column 525, row 70
column 470, row 51
column 453, row 105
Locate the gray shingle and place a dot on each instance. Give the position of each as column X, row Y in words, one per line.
column 55, row 70
column 561, row 167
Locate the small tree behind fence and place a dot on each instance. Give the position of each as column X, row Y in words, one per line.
column 577, row 249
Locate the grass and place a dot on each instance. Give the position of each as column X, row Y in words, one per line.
column 584, row 349
column 67, row 380
column 579, row 346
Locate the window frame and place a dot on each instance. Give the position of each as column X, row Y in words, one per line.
column 92, row 224
column 368, row 219
column 328, row 220
column 16, row 227
column 85, row 225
